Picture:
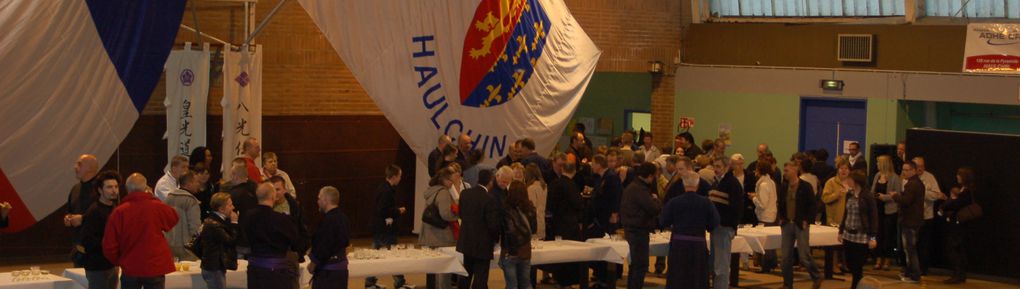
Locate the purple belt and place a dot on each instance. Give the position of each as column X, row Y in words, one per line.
column 679, row 237
column 268, row 263
column 338, row 266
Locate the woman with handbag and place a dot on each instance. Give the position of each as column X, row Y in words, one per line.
column 957, row 211
column 521, row 223
column 435, row 228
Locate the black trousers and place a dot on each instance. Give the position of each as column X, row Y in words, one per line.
column 637, row 240
column 925, row 241
column 956, row 236
column 478, row 274
column 856, row 256
column 262, row 278
column 128, row 282
column 330, row 279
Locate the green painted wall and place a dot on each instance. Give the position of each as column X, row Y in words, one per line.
column 754, row 118
column 609, row 94
column 773, row 119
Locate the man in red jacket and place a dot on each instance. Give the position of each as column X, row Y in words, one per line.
column 134, row 237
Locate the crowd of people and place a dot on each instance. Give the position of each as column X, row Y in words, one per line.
column 123, row 227
column 637, row 188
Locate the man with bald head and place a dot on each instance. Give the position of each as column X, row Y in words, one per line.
column 134, row 237
column 436, row 154
column 271, row 235
column 251, row 150
column 464, row 147
column 81, row 197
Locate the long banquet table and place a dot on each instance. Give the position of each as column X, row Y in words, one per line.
column 40, row 281
column 771, row 238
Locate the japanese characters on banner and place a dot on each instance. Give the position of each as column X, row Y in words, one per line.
column 187, row 92
column 242, row 101
column 992, row 48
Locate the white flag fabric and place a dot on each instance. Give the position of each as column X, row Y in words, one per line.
column 187, row 93
column 498, row 70
column 76, row 76
column 242, row 101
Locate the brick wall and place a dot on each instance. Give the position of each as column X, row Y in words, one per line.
column 303, row 75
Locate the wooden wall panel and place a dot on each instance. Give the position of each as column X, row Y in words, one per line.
column 348, row 152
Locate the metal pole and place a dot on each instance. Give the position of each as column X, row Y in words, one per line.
column 227, row 44
column 264, row 22
column 194, row 17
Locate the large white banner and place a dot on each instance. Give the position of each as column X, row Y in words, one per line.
column 498, row 70
column 992, row 48
column 242, row 101
column 187, row 93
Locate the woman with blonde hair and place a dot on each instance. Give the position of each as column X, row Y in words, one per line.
column 885, row 184
column 537, row 193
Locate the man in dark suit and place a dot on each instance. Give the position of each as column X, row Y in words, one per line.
column 479, row 231
column 797, row 207
column 384, row 223
column 437, row 154
column 566, row 205
column 856, row 158
column 529, row 156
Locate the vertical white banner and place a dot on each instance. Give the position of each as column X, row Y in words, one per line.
column 187, row 93
column 242, row 101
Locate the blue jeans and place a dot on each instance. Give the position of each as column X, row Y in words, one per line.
column 793, row 234
column 722, row 240
column 215, row 279
column 380, row 241
column 913, row 269
column 516, row 272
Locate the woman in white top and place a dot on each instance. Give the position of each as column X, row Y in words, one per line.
column 765, row 205
column 537, row 193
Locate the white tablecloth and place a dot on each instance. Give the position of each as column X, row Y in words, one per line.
column 405, row 265
column 658, row 245
column 555, row 252
column 193, row 277
column 48, row 281
column 770, row 238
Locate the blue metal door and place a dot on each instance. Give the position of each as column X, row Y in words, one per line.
column 829, row 124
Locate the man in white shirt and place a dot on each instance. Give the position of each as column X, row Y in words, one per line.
column 651, row 152
column 168, row 183
column 271, row 168
column 932, row 193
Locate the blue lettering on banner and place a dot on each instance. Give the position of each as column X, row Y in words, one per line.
column 493, row 146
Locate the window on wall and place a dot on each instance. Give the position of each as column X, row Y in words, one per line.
column 807, row 8
column 973, row 8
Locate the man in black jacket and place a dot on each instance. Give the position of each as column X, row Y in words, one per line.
column 911, row 208
column 566, row 206
column 271, row 235
column 219, row 235
column 728, row 197
column 639, row 209
column 796, row 212
column 288, row 205
column 384, row 223
column 100, row 273
column 329, row 245
column 479, row 231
